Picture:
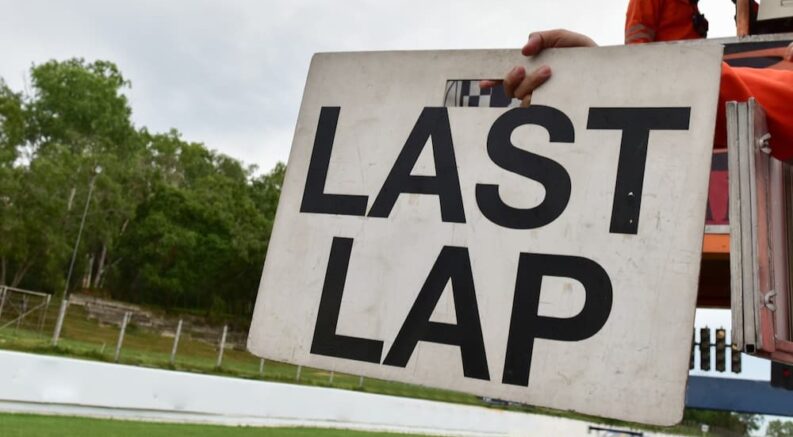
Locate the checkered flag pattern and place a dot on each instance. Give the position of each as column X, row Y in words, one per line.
column 466, row 93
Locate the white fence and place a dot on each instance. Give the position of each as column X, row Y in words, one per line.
column 23, row 308
column 54, row 385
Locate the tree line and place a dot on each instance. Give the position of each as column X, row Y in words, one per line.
column 169, row 223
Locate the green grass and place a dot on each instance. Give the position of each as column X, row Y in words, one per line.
column 87, row 339
column 27, row 425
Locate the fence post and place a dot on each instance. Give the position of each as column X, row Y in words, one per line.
column 22, row 312
column 56, row 335
column 176, row 341
column 297, row 375
column 44, row 314
column 222, row 345
column 124, row 322
column 3, row 291
column 261, row 367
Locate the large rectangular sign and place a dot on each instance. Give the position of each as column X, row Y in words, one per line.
column 546, row 255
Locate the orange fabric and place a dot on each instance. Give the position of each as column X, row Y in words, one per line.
column 716, row 244
column 659, row 20
column 773, row 90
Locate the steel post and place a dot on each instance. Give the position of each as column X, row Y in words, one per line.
column 124, row 322
column 176, row 341
column 56, row 335
column 3, row 291
column 43, row 317
column 222, row 345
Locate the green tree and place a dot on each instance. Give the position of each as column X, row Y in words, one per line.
column 267, row 190
column 12, row 133
column 779, row 428
column 723, row 420
column 12, row 125
column 170, row 222
column 199, row 238
column 76, row 119
column 81, row 105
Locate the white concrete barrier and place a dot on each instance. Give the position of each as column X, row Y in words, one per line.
column 54, row 385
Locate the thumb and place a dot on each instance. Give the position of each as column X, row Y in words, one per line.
column 534, row 45
column 539, row 41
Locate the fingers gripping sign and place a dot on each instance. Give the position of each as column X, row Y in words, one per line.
column 520, row 84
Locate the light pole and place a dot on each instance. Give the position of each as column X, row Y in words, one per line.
column 65, row 301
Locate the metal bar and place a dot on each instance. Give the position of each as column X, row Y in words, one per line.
column 176, row 341
column 43, row 317
column 297, row 373
column 222, row 345
column 21, row 315
column 3, row 291
column 748, row 259
column 23, row 312
column 23, row 291
column 771, row 37
column 788, row 193
column 261, row 367
column 778, row 238
column 754, row 223
column 736, row 251
column 59, row 322
column 717, row 229
column 124, row 322
column 79, row 235
column 56, row 335
column 764, row 243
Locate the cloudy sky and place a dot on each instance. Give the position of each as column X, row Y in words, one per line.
column 230, row 73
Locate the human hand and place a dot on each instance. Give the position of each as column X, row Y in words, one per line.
column 520, row 84
column 789, row 53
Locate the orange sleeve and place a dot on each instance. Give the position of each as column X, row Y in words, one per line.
column 773, row 90
column 641, row 21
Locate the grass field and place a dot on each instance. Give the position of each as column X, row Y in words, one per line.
column 87, row 339
column 26, row 425
column 82, row 337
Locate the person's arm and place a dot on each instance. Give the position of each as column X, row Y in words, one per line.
column 641, row 21
column 789, row 53
column 773, row 90
column 520, row 84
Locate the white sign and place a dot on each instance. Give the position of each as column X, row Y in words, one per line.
column 773, row 9
column 546, row 255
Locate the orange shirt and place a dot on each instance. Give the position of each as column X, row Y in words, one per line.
column 671, row 20
column 660, row 20
column 773, row 90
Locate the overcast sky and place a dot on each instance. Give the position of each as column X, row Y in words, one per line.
column 230, row 73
